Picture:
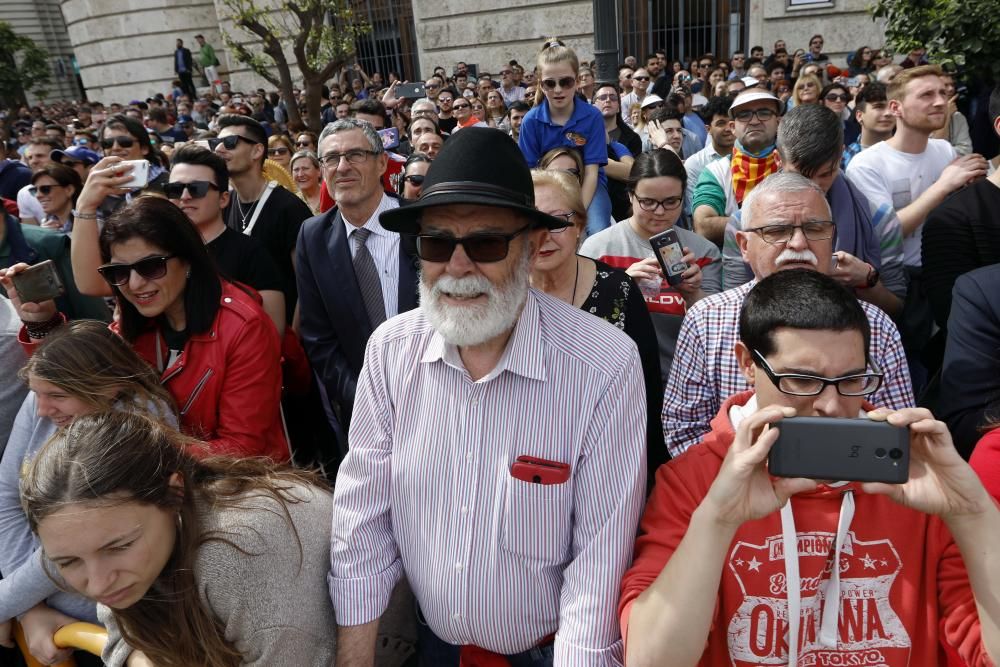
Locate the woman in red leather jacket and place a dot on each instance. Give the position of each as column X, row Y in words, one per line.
column 216, row 350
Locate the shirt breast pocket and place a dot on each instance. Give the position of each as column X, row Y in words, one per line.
column 901, row 193
column 537, row 520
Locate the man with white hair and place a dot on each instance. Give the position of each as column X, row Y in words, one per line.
column 498, row 443
column 786, row 224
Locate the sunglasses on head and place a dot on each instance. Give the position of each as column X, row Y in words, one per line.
column 150, row 268
column 122, row 141
column 196, row 189
column 483, row 248
column 230, row 142
column 36, row 190
column 564, row 82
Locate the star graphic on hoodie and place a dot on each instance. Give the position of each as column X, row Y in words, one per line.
column 754, row 564
column 869, row 562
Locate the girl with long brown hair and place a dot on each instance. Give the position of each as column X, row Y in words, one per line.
column 82, row 368
column 209, row 562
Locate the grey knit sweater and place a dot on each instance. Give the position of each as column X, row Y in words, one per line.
column 273, row 604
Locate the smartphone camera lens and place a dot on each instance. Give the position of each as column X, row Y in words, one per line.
column 880, row 453
column 896, row 453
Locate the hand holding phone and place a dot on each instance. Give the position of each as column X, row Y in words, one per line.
column 670, row 254
column 27, row 311
column 140, row 174
column 411, row 91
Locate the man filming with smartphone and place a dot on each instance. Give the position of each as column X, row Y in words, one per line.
column 809, row 571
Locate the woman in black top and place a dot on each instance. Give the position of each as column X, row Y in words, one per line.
column 599, row 289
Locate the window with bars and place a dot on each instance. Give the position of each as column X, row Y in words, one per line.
column 684, row 29
column 391, row 45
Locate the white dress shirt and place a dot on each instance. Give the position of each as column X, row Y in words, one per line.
column 383, row 246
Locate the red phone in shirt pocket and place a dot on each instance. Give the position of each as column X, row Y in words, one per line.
column 539, row 471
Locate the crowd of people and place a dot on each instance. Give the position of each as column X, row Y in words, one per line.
column 416, row 389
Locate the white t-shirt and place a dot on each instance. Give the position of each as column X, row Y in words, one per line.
column 888, row 176
column 28, row 206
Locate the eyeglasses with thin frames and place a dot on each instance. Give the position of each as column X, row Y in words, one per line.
column 803, row 384
column 813, row 230
column 353, row 156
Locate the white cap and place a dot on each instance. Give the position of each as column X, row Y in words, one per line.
column 650, row 100
column 753, row 95
column 698, row 100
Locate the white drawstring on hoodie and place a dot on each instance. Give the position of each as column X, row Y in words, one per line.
column 828, row 630
column 831, row 591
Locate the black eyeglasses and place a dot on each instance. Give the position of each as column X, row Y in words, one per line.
column 303, row 144
column 763, row 114
column 231, row 142
column 833, row 97
column 461, row 105
column 36, row 190
column 801, row 384
column 150, row 268
column 197, row 189
column 354, row 156
column 123, row 141
column 484, row 248
column 649, row 204
column 280, row 150
column 814, row 230
column 640, row 78
column 568, row 217
column 564, row 82
column 416, row 179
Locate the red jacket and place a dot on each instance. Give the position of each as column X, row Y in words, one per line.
column 904, row 589
column 227, row 381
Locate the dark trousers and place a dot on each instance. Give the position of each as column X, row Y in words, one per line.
column 187, row 84
column 435, row 652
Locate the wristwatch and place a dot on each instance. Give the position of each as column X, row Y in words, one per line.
column 873, row 276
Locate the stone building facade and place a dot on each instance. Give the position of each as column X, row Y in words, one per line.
column 42, row 21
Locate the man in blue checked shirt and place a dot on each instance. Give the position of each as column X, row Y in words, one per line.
column 786, row 223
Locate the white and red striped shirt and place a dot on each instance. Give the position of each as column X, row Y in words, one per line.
column 427, row 489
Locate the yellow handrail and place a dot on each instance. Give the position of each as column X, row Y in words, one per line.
column 86, row 636
column 22, row 643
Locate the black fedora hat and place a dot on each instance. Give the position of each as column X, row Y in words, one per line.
column 479, row 165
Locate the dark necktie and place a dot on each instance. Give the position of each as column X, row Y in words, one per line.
column 367, row 275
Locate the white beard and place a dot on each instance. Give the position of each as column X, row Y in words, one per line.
column 471, row 325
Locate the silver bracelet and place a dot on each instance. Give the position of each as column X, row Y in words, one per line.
column 84, row 216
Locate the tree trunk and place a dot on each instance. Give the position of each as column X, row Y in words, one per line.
column 314, row 99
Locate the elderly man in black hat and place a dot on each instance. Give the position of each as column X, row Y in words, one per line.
column 497, row 454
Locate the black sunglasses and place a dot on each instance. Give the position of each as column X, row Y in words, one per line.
column 479, row 247
column 197, row 189
column 122, row 141
column 150, row 268
column 833, row 97
column 230, row 142
column 36, row 190
column 416, row 179
column 565, row 82
column 462, row 106
column 303, row 144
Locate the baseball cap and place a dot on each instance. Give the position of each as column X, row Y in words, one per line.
column 78, row 153
column 754, row 95
column 184, row 118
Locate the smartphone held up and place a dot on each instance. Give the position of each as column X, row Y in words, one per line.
column 848, row 450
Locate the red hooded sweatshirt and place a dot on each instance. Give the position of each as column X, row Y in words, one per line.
column 904, row 593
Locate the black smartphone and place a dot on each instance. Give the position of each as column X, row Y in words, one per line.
column 670, row 255
column 850, row 450
column 39, row 283
column 411, row 91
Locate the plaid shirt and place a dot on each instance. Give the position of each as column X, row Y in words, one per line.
column 850, row 152
column 705, row 372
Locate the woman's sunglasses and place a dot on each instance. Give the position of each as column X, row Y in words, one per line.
column 36, row 190
column 197, row 189
column 280, row 150
column 150, row 268
column 416, row 179
column 303, row 144
column 564, row 82
column 122, row 141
